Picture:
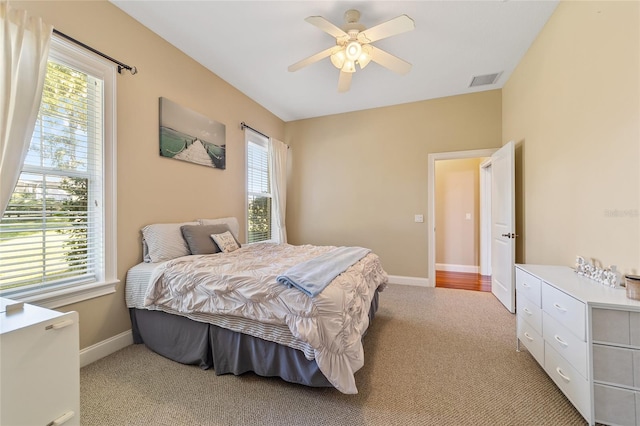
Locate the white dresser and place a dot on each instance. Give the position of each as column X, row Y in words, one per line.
column 39, row 366
column 586, row 336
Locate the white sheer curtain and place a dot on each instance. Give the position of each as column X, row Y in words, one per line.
column 24, row 49
column 278, row 168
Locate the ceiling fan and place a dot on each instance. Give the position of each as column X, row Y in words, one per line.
column 353, row 45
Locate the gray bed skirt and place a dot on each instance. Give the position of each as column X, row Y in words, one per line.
column 227, row 352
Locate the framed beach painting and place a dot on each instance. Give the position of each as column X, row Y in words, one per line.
column 188, row 136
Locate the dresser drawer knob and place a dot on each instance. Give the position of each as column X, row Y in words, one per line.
column 559, row 340
column 564, row 376
column 525, row 285
column 559, row 307
column 527, row 311
column 529, row 338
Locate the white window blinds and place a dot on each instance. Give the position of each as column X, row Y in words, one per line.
column 259, row 204
column 52, row 231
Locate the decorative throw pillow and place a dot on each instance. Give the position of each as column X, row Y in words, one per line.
column 198, row 237
column 164, row 241
column 226, row 242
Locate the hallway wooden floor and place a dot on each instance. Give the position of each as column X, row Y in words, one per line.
column 463, row 281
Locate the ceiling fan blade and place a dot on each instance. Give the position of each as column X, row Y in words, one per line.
column 344, row 82
column 389, row 61
column 390, row 28
column 326, row 26
column 310, row 60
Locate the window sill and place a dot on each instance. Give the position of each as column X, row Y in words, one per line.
column 272, row 241
column 57, row 298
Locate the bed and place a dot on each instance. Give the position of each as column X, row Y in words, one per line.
column 226, row 311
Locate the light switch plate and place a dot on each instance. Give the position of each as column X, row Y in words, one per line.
column 418, row 218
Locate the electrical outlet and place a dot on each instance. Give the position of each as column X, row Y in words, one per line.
column 418, row 218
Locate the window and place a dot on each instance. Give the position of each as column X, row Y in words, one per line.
column 259, row 205
column 57, row 236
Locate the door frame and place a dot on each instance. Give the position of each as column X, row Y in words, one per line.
column 485, row 217
column 431, row 202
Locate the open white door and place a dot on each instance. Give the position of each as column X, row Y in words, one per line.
column 503, row 235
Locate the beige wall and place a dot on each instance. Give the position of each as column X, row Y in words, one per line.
column 150, row 188
column 573, row 105
column 359, row 178
column 457, row 193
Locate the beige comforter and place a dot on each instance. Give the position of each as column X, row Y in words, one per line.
column 243, row 283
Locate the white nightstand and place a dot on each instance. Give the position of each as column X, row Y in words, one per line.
column 39, row 366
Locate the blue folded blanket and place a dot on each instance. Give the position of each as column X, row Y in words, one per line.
column 315, row 274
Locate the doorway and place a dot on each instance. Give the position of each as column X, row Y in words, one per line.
column 458, row 265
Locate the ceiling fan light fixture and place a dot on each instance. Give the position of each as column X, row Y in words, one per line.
column 365, row 56
column 353, row 50
column 349, row 66
column 338, row 59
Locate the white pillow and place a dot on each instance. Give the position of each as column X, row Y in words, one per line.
column 225, row 241
column 231, row 222
column 164, row 241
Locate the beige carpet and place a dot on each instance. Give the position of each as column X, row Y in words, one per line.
column 433, row 357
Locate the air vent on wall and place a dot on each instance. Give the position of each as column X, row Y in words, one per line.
column 482, row 80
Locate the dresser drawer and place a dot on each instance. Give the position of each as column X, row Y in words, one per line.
column 528, row 311
column 614, row 405
column 616, row 326
column 616, row 365
column 532, row 340
column 610, row 326
column 572, row 384
column 634, row 328
column 570, row 312
column 528, row 286
column 565, row 343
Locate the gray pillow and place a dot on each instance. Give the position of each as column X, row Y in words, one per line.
column 198, row 237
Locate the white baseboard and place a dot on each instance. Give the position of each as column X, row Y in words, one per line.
column 106, row 347
column 416, row 281
column 471, row 269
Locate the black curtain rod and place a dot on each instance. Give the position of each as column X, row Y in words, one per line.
column 244, row 125
column 121, row 65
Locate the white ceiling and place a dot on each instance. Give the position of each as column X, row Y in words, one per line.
column 250, row 44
